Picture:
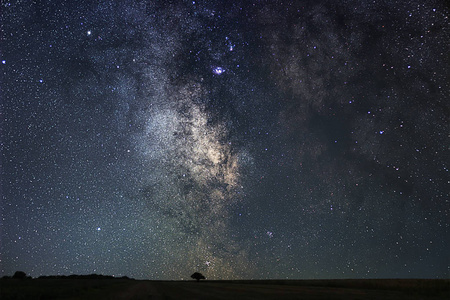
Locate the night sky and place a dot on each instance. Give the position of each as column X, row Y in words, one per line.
column 239, row 139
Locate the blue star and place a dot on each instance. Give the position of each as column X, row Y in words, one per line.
column 218, row 70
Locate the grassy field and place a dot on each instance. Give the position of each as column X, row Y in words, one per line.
column 62, row 288
column 384, row 289
column 420, row 286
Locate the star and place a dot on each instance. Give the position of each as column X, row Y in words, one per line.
column 218, row 70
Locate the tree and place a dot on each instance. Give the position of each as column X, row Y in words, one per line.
column 19, row 275
column 197, row 276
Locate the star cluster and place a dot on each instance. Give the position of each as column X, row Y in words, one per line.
column 244, row 139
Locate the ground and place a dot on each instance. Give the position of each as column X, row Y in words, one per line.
column 236, row 290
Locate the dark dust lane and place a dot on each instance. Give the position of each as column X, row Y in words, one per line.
column 211, row 290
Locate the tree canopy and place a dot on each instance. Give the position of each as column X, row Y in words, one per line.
column 197, row 276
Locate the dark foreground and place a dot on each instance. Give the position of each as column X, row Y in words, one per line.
column 384, row 289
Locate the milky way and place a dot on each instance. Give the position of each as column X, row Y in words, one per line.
column 303, row 139
column 193, row 179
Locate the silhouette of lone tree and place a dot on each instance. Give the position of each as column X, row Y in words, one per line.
column 197, row 276
column 19, row 275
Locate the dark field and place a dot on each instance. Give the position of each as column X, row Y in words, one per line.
column 384, row 289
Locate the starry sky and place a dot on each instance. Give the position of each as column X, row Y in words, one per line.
column 240, row 139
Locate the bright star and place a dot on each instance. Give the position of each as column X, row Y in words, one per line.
column 218, row 70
